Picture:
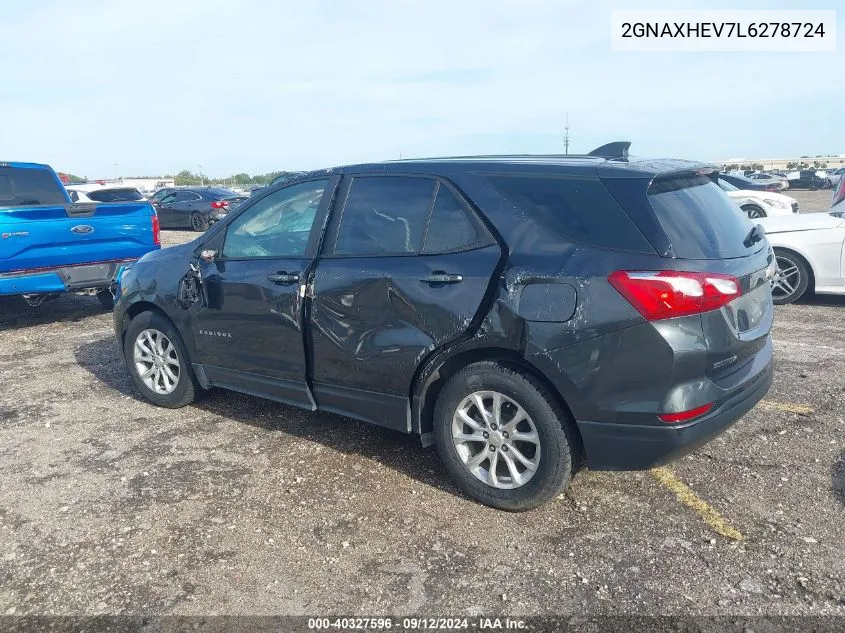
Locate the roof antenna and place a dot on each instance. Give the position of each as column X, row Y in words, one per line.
column 617, row 149
column 566, row 135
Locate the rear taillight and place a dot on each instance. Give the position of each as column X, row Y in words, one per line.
column 839, row 196
column 156, row 231
column 219, row 204
column 666, row 294
column 685, row 416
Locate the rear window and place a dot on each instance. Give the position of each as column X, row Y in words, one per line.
column 700, row 221
column 577, row 210
column 23, row 187
column 220, row 193
column 115, row 195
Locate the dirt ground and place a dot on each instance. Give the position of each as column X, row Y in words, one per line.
column 238, row 505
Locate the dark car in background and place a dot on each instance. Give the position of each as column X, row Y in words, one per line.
column 521, row 313
column 809, row 179
column 194, row 208
column 746, row 184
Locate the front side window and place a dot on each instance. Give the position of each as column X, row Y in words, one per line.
column 278, row 225
column 385, row 215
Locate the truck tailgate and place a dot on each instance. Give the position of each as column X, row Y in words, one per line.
column 48, row 236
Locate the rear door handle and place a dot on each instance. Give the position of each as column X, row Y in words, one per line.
column 439, row 277
column 283, row 278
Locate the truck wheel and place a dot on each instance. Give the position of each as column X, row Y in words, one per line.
column 158, row 362
column 106, row 298
column 792, row 278
column 199, row 222
column 504, row 438
column 813, row 185
column 753, row 211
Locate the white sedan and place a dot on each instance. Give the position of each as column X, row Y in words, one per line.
column 810, row 253
column 760, row 204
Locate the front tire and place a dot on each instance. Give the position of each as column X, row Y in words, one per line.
column 199, row 222
column 753, row 211
column 792, row 278
column 813, row 185
column 158, row 362
column 504, row 438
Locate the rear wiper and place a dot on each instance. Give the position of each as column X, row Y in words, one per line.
column 756, row 234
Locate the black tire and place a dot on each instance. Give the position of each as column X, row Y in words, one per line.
column 106, row 298
column 753, row 211
column 560, row 446
column 813, row 185
column 187, row 387
column 798, row 282
column 199, row 222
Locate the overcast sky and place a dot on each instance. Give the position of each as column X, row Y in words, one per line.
column 257, row 85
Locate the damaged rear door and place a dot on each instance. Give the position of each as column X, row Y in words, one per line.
column 406, row 265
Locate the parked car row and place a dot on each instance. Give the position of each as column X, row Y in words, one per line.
column 812, row 179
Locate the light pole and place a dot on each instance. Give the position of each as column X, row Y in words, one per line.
column 202, row 182
column 115, row 172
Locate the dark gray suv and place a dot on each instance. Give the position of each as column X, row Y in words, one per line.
column 528, row 315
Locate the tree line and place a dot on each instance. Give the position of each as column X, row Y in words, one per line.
column 187, row 177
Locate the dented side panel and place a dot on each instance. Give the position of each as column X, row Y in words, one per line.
column 373, row 319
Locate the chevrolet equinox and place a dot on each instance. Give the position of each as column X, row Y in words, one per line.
column 528, row 315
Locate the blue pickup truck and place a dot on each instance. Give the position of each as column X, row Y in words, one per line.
column 50, row 245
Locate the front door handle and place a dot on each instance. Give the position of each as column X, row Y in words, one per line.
column 283, row 278
column 439, row 277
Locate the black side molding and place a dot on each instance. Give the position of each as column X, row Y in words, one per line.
column 617, row 149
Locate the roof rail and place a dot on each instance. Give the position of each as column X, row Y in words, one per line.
column 616, row 149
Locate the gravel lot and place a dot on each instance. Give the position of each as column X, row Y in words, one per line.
column 242, row 506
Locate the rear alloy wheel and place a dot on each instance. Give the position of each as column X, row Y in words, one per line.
column 754, row 211
column 158, row 361
column 199, row 222
column 791, row 279
column 503, row 437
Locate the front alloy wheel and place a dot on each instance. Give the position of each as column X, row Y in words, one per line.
column 496, row 440
column 156, row 361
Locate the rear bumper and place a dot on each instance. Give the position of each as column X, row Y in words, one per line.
column 613, row 446
column 62, row 279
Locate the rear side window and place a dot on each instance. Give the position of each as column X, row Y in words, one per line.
column 576, row 210
column 116, row 195
column 452, row 227
column 23, row 187
column 384, row 215
column 700, row 221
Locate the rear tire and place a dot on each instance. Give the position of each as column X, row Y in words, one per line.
column 532, row 458
column 753, row 211
column 158, row 362
column 792, row 279
column 199, row 222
